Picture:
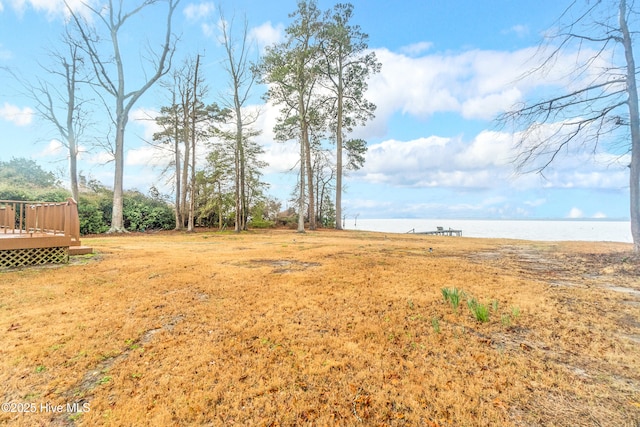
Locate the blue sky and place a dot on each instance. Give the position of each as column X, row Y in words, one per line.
column 448, row 68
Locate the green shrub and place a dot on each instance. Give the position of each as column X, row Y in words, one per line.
column 94, row 213
column 141, row 213
column 261, row 223
column 34, row 194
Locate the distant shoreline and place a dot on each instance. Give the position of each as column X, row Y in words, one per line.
column 499, row 219
column 592, row 230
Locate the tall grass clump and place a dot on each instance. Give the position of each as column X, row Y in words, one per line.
column 515, row 312
column 453, row 296
column 435, row 323
column 480, row 311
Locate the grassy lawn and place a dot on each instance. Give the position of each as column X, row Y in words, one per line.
column 276, row 328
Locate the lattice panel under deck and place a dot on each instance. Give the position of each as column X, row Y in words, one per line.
column 20, row 257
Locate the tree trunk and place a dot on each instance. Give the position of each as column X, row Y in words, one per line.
column 309, row 167
column 179, row 222
column 301, row 199
column 117, row 219
column 185, row 177
column 634, row 124
column 339, row 144
column 236, row 176
column 220, row 210
column 192, row 191
column 321, row 204
column 176, row 150
column 73, row 167
column 317, row 195
column 194, row 107
column 71, row 72
column 239, row 175
column 187, row 158
column 244, row 199
column 73, row 172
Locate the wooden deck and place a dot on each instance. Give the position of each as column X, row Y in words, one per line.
column 15, row 240
column 39, row 232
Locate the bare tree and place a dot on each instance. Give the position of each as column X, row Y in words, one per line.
column 58, row 101
column 241, row 80
column 601, row 103
column 111, row 74
column 193, row 125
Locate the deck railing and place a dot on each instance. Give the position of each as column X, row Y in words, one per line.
column 29, row 218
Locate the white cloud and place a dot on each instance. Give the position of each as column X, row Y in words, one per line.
column 411, row 85
column 281, row 157
column 209, row 30
column 16, row 115
column 599, row 215
column 477, row 84
column 100, row 158
column 439, row 162
column 54, row 8
column 489, row 106
column 199, row 11
column 488, row 149
column 266, row 34
column 392, row 156
column 146, row 118
column 368, row 204
column 496, row 206
column 577, row 171
column 535, row 203
column 484, row 162
column 416, row 48
column 54, row 148
column 575, row 213
column 519, row 30
column 148, row 155
column 215, row 30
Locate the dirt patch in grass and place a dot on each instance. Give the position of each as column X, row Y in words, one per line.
column 279, row 266
column 325, row 328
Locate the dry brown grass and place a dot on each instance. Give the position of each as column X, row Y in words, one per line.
column 326, row 328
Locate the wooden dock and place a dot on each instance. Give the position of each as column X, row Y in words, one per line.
column 440, row 231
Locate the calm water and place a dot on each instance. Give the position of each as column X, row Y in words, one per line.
column 596, row 230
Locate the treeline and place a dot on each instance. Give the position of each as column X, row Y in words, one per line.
column 317, row 78
column 23, row 179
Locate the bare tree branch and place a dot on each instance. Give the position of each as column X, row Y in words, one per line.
column 601, row 101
